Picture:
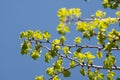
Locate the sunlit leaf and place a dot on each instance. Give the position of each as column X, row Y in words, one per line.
column 56, row 78
column 72, row 64
column 77, row 40
column 50, row 71
column 89, row 55
column 62, row 39
column 35, row 54
column 39, row 78
column 46, row 35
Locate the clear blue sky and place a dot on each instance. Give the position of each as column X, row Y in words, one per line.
column 22, row 15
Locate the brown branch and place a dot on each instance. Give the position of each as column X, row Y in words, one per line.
column 77, row 46
column 86, row 19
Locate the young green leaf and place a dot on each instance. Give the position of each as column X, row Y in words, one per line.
column 67, row 73
column 110, row 75
column 35, row 54
column 66, row 29
column 82, row 71
column 25, row 47
column 56, row 65
column 46, row 35
column 66, row 50
column 72, row 64
column 106, row 63
column 99, row 54
column 91, row 75
column 62, row 12
column 53, row 53
column 77, row 40
column 38, row 35
column 48, row 57
column 89, row 55
column 62, row 39
column 56, row 78
column 100, row 14
column 101, row 76
column 50, row 71
column 39, row 78
column 56, row 41
column 118, row 13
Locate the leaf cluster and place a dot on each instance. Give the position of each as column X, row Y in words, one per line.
column 57, row 49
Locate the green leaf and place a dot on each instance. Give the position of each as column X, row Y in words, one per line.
column 56, row 78
column 46, row 35
column 108, row 47
column 99, row 54
column 66, row 29
column 91, row 75
column 35, row 54
column 62, row 39
column 62, row 12
column 100, row 14
column 107, row 64
column 79, row 50
column 89, row 61
column 38, row 35
column 60, row 60
column 118, row 13
column 56, row 65
column 22, row 35
column 110, row 75
column 27, row 34
column 72, row 64
column 62, row 28
column 109, row 61
column 25, row 47
column 39, row 78
column 37, row 47
column 56, row 41
column 86, row 35
column 50, row 71
column 53, row 53
column 48, row 57
column 77, row 40
column 79, row 56
column 81, row 26
column 101, row 76
column 30, row 33
column 66, row 73
column 82, row 71
column 66, row 50
column 56, row 48
column 112, row 58
column 89, row 55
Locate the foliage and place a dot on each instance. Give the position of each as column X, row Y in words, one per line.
column 96, row 26
column 113, row 4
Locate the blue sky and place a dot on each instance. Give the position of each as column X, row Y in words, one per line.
column 22, row 15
